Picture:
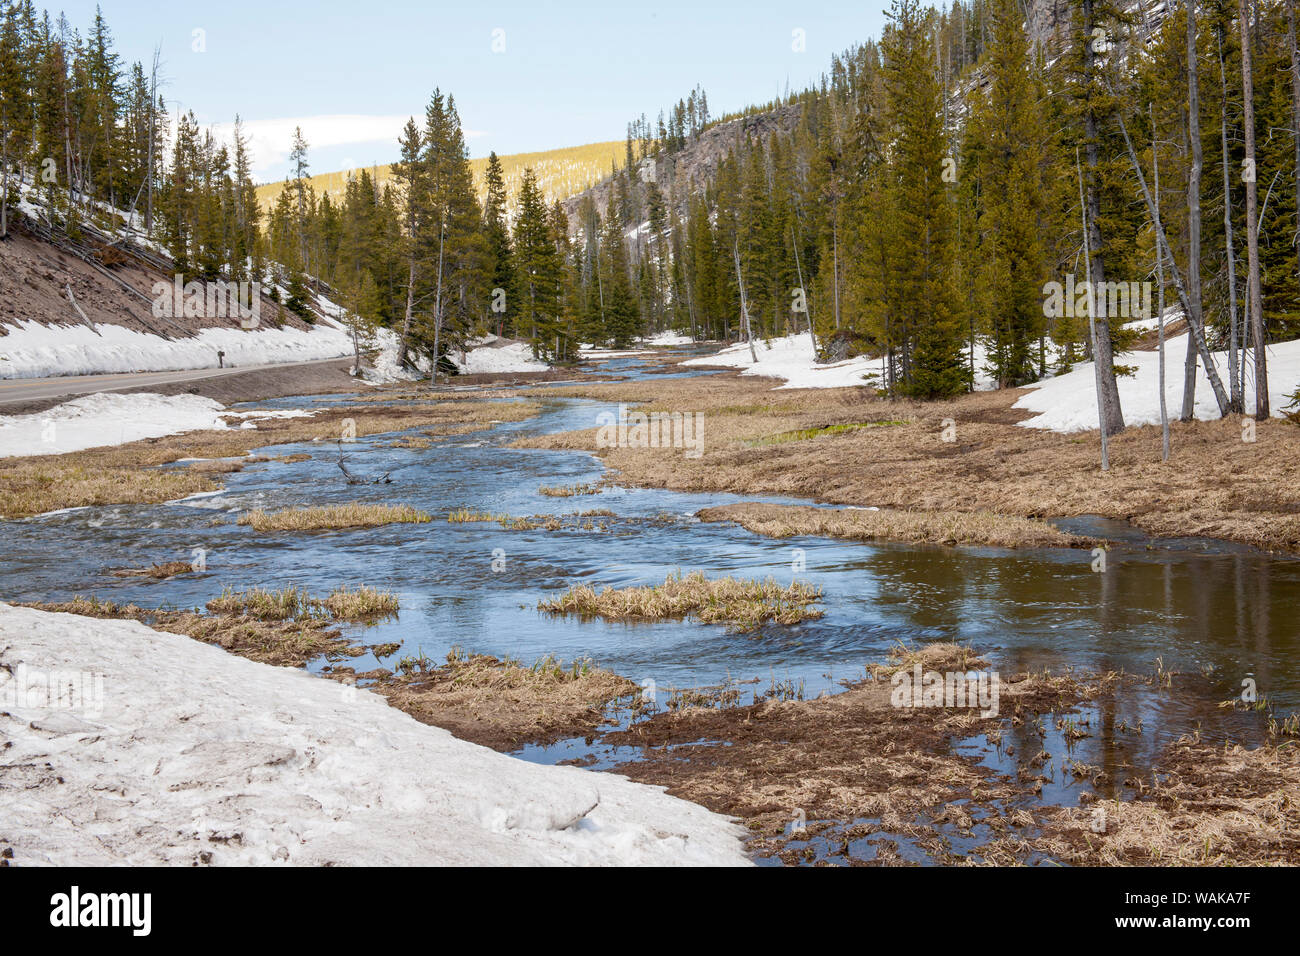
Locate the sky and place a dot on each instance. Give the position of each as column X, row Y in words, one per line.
column 526, row 76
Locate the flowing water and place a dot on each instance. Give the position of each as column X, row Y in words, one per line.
column 1216, row 613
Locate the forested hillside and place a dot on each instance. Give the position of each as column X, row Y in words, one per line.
column 915, row 203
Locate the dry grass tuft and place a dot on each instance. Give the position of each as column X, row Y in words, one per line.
column 353, row 515
column 568, row 491
column 295, row 604
column 468, row 515
column 363, row 604
column 743, row 604
column 284, row 642
column 157, row 572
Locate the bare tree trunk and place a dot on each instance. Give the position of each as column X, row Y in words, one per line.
column 1160, row 300
column 744, row 306
column 812, row 332
column 153, row 125
column 1092, row 320
column 437, row 305
column 4, row 186
column 1196, row 331
column 1102, row 351
column 403, row 343
column 1195, row 316
column 1252, row 224
column 1236, row 402
column 835, row 265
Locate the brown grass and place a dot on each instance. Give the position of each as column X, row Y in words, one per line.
column 503, row 704
column 568, row 491
column 854, row 766
column 327, row 517
column 1215, row 485
column 889, row 524
column 126, row 474
column 1208, row 806
column 157, row 572
column 285, row 642
column 743, row 604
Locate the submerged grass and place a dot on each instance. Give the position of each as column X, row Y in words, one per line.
column 468, row 515
column 569, row 491
column 353, row 515
column 742, row 604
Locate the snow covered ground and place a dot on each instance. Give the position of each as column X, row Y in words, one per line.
column 484, row 355
column 163, row 750
column 33, row 350
column 791, row 358
column 1068, row 403
column 667, row 338
column 107, row 418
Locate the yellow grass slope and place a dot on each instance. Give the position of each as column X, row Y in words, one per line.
column 560, row 172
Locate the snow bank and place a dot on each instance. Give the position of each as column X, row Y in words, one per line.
column 485, row 355
column 791, row 358
column 1068, row 403
column 384, row 367
column 106, row 418
column 174, row 752
column 668, row 338
column 33, row 350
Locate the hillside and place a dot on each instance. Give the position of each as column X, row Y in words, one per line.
column 560, row 172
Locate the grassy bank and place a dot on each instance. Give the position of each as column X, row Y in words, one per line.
column 758, row 441
column 356, row 514
column 912, row 527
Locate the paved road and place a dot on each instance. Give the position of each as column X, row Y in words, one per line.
column 29, row 389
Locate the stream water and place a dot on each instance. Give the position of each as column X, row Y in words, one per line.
column 1216, row 613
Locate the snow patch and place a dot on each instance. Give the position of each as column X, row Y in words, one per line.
column 791, row 358
column 106, row 418
column 33, row 350
column 187, row 754
column 1068, row 403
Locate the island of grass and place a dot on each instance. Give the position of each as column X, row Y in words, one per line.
column 744, row 605
column 355, row 514
column 896, row 524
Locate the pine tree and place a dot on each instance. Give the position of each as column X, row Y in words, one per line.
column 931, row 333
column 1007, row 153
column 497, row 232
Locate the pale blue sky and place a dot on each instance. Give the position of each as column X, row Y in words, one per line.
column 572, row 72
